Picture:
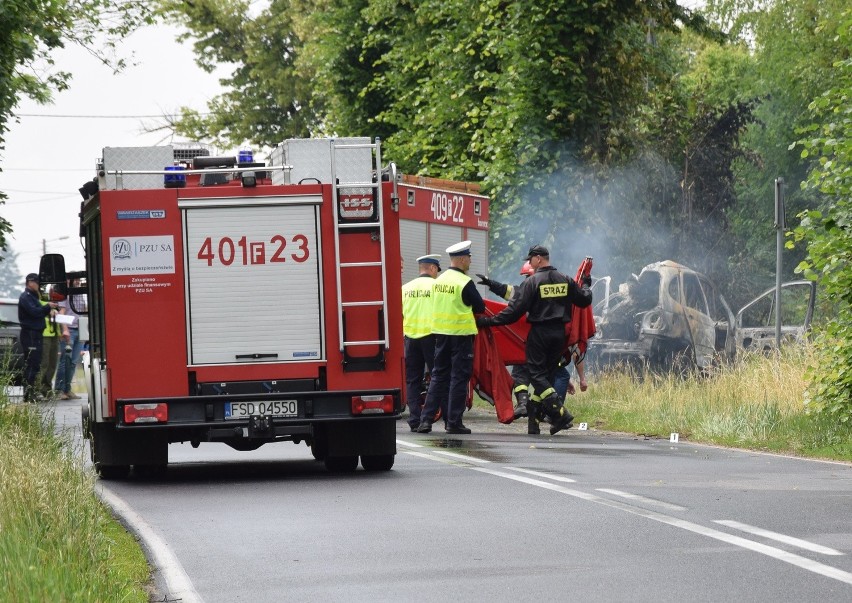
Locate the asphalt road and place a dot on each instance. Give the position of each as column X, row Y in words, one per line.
column 496, row 516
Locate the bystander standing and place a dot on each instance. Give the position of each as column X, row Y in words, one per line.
column 31, row 315
column 73, row 306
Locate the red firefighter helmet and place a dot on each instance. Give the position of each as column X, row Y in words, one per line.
column 526, row 269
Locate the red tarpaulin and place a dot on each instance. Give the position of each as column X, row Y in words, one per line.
column 582, row 325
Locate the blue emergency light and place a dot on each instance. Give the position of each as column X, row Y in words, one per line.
column 175, row 180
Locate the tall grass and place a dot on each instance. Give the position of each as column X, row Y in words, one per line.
column 757, row 402
column 57, row 541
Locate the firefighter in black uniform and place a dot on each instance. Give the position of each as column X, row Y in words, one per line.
column 546, row 297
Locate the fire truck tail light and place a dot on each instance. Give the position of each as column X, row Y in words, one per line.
column 146, row 413
column 372, row 405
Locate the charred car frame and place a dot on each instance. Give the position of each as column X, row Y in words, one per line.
column 672, row 317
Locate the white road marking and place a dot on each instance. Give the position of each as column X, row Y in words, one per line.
column 643, row 499
column 426, row 455
column 179, row 585
column 791, row 540
column 781, row 555
column 461, row 457
column 557, row 478
column 757, row 547
column 408, row 444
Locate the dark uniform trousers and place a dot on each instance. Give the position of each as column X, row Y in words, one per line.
column 450, row 377
column 545, row 344
column 31, row 343
column 419, row 355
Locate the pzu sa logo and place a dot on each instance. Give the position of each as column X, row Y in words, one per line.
column 356, row 206
column 121, row 249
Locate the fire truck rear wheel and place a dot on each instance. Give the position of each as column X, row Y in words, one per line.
column 379, row 462
column 341, row 464
column 318, row 451
column 149, row 471
column 114, row 471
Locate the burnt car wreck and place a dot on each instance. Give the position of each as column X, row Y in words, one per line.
column 670, row 317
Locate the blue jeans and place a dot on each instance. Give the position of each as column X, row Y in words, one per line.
column 561, row 380
column 68, row 362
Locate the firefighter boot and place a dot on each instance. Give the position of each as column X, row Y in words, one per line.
column 560, row 418
column 532, row 418
column 523, row 398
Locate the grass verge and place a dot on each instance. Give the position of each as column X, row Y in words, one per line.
column 756, row 403
column 57, row 540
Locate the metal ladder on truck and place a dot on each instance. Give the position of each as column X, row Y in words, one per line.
column 359, row 221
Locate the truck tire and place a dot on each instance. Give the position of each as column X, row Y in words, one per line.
column 113, row 471
column 319, row 443
column 150, row 471
column 378, row 462
column 319, row 451
column 341, row 464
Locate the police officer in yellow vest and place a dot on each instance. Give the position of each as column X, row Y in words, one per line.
column 455, row 300
column 417, row 331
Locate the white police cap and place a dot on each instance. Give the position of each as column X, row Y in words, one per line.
column 432, row 258
column 462, row 248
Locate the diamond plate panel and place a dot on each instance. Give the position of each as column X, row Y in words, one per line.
column 134, row 159
column 311, row 159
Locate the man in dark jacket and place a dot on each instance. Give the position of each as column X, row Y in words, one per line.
column 31, row 315
column 546, row 297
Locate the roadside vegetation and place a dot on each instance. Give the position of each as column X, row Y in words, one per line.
column 58, row 542
column 758, row 402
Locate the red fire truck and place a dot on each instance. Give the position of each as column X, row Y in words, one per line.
column 237, row 302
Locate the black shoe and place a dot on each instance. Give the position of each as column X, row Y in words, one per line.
column 414, row 426
column 532, row 426
column 522, row 398
column 563, row 422
column 425, row 426
column 457, row 429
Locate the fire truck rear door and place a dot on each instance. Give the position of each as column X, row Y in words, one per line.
column 253, row 282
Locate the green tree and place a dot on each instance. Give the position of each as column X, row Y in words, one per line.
column 828, row 233
column 266, row 100
column 11, row 281
column 32, row 30
column 573, row 115
column 790, row 63
column 546, row 104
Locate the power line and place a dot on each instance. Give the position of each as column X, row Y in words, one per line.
column 47, row 115
column 31, row 192
column 31, row 201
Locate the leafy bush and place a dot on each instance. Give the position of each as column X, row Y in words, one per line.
column 828, row 236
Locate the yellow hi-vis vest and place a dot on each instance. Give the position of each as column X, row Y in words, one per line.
column 50, row 330
column 417, row 307
column 450, row 315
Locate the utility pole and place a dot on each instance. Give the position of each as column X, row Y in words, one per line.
column 780, row 227
column 44, row 243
